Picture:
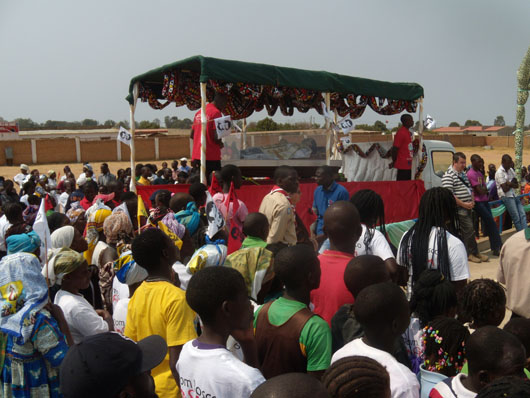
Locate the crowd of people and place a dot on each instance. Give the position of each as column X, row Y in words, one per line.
column 473, row 191
column 199, row 297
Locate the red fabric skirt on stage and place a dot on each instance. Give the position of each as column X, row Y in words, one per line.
column 401, row 198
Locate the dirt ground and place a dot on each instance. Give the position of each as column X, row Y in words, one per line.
column 494, row 155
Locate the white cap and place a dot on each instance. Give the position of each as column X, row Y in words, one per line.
column 81, row 181
column 183, row 159
column 24, row 167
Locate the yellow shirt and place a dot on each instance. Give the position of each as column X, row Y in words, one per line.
column 282, row 221
column 161, row 308
column 143, row 181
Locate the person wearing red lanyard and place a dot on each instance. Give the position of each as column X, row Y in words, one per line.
column 278, row 209
column 213, row 144
column 402, row 150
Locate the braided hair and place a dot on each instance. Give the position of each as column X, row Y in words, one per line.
column 444, row 346
column 508, row 386
column 437, row 209
column 357, row 377
column 372, row 212
column 483, row 302
column 432, row 295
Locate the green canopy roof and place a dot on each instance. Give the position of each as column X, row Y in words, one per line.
column 259, row 85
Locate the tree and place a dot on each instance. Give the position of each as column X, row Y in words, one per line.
column 365, row 127
column 170, row 122
column 266, row 124
column 472, row 123
column 109, row 123
column 454, row 124
column 123, row 123
column 25, row 124
column 174, row 123
column 89, row 123
column 50, row 124
column 146, row 124
column 380, row 126
column 186, row 123
column 499, row 121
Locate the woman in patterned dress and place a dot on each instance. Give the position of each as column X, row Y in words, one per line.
column 33, row 333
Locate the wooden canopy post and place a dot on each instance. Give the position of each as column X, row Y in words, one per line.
column 420, row 127
column 204, row 123
column 335, row 138
column 420, row 133
column 244, row 134
column 132, row 108
column 327, row 99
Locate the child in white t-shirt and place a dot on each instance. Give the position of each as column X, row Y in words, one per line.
column 219, row 296
column 128, row 276
column 383, row 312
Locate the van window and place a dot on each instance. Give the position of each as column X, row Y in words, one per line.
column 441, row 160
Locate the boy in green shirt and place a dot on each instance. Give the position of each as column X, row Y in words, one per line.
column 253, row 260
column 289, row 337
column 256, row 230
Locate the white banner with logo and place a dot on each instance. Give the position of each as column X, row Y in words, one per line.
column 346, row 125
column 223, row 125
column 124, row 136
column 216, row 221
column 430, row 123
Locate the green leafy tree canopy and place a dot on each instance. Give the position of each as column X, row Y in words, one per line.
column 499, row 121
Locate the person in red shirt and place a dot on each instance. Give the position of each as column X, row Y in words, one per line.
column 213, row 144
column 342, row 226
column 402, row 151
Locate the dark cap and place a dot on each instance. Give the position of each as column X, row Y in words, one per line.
column 103, row 364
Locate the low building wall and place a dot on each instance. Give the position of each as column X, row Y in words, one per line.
column 68, row 150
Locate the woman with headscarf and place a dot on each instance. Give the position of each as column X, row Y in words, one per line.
column 69, row 237
column 75, row 212
column 186, row 212
column 57, row 220
column 117, row 229
column 24, row 242
column 69, row 270
column 32, row 333
column 95, row 238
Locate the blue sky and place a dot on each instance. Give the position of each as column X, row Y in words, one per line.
column 70, row 60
